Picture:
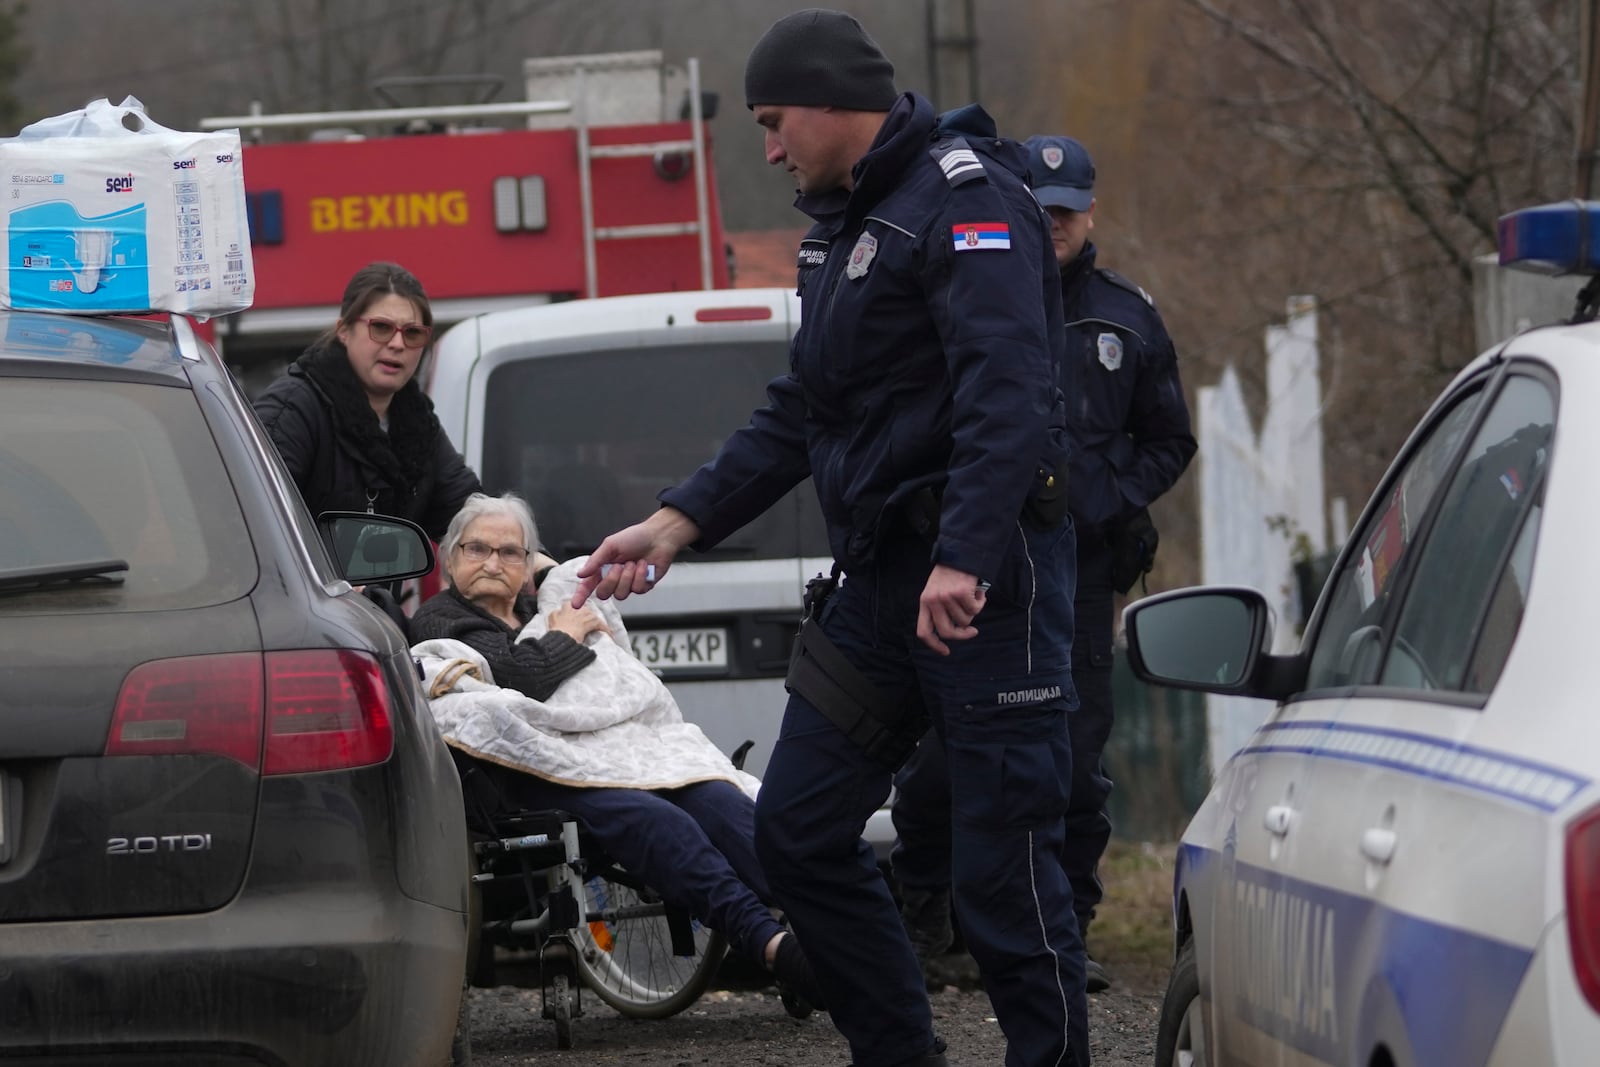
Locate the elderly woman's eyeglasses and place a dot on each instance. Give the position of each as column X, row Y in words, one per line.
column 412, row 335
column 510, row 555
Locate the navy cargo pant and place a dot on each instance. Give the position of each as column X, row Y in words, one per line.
column 921, row 856
column 999, row 703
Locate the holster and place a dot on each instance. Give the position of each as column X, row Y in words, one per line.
column 1045, row 506
column 884, row 725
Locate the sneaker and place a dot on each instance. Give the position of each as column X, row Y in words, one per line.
column 798, row 988
column 926, row 915
column 1099, row 979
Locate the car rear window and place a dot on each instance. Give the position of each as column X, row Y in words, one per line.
column 590, row 438
column 93, row 470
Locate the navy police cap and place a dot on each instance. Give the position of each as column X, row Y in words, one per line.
column 1061, row 172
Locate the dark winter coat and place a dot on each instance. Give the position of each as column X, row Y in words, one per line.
column 1130, row 425
column 928, row 354
column 325, row 429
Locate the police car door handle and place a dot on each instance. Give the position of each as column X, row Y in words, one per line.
column 1377, row 844
column 1279, row 816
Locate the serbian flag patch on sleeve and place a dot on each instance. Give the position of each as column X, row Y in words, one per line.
column 970, row 236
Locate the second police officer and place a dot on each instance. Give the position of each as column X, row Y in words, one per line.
column 1131, row 442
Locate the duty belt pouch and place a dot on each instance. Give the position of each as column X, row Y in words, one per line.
column 884, row 725
column 1133, row 550
column 1046, row 505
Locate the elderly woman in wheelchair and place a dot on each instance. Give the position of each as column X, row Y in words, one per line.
column 553, row 710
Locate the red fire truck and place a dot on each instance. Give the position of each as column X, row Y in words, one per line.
column 605, row 187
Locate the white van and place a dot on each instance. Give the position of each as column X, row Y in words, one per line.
column 590, row 408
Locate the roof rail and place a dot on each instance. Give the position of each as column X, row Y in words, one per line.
column 256, row 120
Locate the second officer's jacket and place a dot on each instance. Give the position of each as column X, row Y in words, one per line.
column 1130, row 424
column 928, row 355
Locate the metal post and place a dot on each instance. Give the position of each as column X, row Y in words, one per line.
column 591, row 277
column 1589, row 96
column 952, row 52
column 702, row 197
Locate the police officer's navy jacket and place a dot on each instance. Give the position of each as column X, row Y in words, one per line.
column 1130, row 425
column 928, row 352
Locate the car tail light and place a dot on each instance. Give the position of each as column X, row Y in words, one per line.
column 1583, row 902
column 327, row 709
column 197, row 704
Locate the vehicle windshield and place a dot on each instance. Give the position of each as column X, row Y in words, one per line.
column 94, row 474
column 590, row 438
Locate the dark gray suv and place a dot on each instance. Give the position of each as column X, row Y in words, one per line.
column 229, row 831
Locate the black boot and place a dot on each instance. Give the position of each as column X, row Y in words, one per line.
column 926, row 915
column 798, row 987
column 934, row 1057
column 1098, row 979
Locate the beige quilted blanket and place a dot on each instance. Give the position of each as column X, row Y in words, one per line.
column 613, row 724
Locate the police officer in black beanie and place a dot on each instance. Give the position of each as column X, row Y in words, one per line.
column 925, row 405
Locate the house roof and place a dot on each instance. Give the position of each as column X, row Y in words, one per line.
column 764, row 257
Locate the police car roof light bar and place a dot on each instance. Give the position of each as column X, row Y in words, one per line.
column 1562, row 238
column 1552, row 238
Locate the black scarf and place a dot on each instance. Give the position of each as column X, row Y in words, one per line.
column 405, row 454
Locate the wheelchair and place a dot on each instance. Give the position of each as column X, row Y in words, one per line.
column 541, row 887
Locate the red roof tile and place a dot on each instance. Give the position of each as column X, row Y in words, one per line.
column 764, row 257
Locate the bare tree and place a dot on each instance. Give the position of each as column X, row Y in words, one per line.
column 1421, row 121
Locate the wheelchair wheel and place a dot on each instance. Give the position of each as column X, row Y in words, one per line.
column 561, row 1011
column 625, row 950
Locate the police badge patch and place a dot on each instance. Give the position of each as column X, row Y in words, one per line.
column 1110, row 351
column 861, row 256
column 1052, row 156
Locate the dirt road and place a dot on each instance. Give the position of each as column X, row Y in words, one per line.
column 740, row 1027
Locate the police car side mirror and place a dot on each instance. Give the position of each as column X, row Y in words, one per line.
column 1214, row 639
column 375, row 548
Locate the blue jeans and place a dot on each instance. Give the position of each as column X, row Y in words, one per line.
column 999, row 703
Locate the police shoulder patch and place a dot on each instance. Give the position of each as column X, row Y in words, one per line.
column 958, row 161
column 1122, row 283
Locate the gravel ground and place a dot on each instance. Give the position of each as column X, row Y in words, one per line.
column 738, row 1026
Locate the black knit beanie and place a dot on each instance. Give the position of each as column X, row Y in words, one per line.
column 819, row 58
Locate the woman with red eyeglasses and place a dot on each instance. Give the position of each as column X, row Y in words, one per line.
column 351, row 422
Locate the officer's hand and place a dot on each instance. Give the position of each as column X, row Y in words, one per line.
column 635, row 559
column 949, row 603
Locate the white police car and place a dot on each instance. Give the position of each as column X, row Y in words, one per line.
column 1402, row 866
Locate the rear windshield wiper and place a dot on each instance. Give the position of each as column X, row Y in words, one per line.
column 21, row 579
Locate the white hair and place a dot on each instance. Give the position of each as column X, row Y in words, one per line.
column 480, row 505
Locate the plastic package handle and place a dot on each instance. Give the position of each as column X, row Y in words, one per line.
column 97, row 118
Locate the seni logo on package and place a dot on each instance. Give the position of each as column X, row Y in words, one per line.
column 184, row 164
column 122, row 183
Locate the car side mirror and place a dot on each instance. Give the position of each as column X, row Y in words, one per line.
column 369, row 549
column 1214, row 639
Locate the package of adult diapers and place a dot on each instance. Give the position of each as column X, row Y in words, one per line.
column 106, row 211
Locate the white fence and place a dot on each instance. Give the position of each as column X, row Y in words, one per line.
column 1261, row 497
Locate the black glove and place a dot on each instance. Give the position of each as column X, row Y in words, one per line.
column 1133, row 550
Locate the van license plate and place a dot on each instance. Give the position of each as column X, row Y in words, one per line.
column 699, row 649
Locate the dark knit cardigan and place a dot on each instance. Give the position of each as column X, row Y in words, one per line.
column 535, row 668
